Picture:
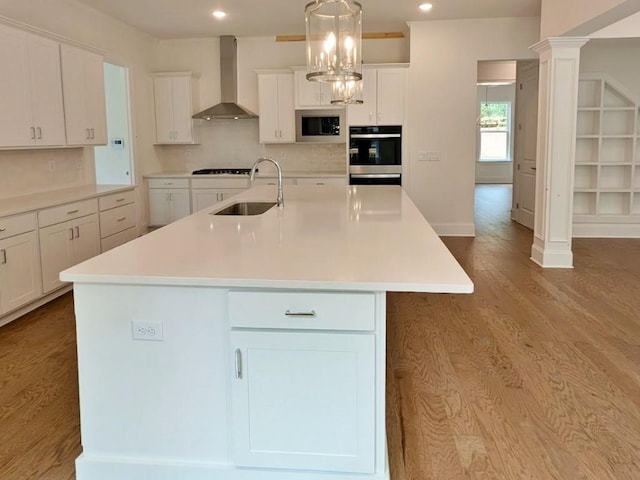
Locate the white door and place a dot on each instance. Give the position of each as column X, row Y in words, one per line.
column 303, row 401
column 56, row 253
column 524, row 173
column 159, row 213
column 86, row 241
column 179, row 204
column 203, row 198
column 181, row 99
column 365, row 113
column 390, row 93
column 162, row 92
column 268, row 108
column 95, row 97
column 20, row 280
column 75, row 93
column 286, row 108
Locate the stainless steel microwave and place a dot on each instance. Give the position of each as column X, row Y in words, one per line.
column 321, row 126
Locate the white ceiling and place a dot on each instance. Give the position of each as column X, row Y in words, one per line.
column 192, row 18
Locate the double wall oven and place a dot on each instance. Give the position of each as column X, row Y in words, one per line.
column 375, row 155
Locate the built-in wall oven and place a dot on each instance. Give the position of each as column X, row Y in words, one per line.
column 375, row 155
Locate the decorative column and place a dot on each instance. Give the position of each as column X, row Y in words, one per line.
column 557, row 117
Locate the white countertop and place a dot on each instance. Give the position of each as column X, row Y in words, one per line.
column 324, row 238
column 36, row 201
column 265, row 174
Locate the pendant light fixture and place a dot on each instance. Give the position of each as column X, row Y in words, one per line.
column 334, row 40
column 346, row 92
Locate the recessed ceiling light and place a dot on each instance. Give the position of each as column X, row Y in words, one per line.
column 425, row 7
column 219, row 14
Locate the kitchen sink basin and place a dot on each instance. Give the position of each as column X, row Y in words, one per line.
column 245, row 208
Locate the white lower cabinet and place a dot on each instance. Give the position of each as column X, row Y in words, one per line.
column 20, row 280
column 66, row 244
column 304, row 400
column 167, row 205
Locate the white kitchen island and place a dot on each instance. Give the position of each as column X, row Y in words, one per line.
column 262, row 350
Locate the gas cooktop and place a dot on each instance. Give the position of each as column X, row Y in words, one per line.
column 223, row 171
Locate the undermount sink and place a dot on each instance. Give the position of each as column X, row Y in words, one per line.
column 245, row 208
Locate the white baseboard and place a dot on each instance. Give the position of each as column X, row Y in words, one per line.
column 547, row 258
column 455, row 229
column 494, row 180
column 606, row 230
column 10, row 317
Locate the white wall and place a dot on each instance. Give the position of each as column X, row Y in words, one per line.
column 618, row 58
column 496, row 172
column 581, row 18
column 442, row 109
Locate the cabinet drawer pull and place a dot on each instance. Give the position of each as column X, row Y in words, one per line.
column 238, row 364
column 4, row 256
column 71, row 212
column 310, row 314
column 121, row 219
column 120, row 199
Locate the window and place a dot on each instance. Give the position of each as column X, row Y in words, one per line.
column 495, row 131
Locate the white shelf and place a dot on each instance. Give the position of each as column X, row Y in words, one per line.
column 607, row 169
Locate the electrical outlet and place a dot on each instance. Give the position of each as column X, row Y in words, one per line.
column 52, row 165
column 433, row 156
column 422, row 156
column 141, row 330
column 283, row 155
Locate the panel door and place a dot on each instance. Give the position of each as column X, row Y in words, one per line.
column 203, row 198
column 269, row 108
column 303, row 401
column 46, row 91
column 365, row 113
column 20, row 280
column 286, row 108
column 96, row 113
column 159, row 212
column 181, row 100
column 77, row 128
column 308, row 94
column 391, row 90
column 164, row 109
column 526, row 106
column 86, row 241
column 179, row 204
column 55, row 253
column 15, row 114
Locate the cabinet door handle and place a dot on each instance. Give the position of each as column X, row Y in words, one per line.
column 4, row 257
column 121, row 219
column 77, row 229
column 93, row 133
column 33, row 133
column 87, row 134
column 39, row 133
column 310, row 314
column 71, row 235
column 238, row 364
column 3, row 229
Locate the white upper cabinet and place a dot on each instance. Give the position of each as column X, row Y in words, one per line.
column 84, row 96
column 383, row 95
column 311, row 94
column 276, row 108
column 174, row 97
column 30, row 90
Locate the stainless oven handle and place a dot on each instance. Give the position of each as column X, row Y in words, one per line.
column 376, row 135
column 375, row 175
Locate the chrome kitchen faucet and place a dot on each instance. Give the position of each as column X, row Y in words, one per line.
column 280, row 198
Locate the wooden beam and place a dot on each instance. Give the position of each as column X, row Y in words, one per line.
column 365, row 36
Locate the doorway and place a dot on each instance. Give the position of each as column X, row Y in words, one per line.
column 114, row 161
column 507, row 106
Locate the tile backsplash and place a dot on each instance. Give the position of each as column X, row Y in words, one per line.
column 234, row 143
column 23, row 172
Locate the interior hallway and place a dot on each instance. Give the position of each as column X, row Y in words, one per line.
column 535, row 376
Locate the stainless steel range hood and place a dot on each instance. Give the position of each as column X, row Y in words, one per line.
column 228, row 108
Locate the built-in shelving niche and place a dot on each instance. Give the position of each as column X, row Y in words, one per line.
column 606, row 199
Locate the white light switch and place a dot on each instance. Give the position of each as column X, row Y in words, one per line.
column 433, row 156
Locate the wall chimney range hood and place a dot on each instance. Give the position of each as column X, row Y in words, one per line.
column 228, row 108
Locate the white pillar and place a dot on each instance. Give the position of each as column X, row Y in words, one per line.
column 557, row 112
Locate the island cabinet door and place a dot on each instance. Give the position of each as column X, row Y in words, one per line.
column 303, row 400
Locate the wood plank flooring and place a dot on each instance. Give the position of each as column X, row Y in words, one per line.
column 535, row 376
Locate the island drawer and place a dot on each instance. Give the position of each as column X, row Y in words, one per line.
column 17, row 224
column 116, row 200
column 302, row 310
column 69, row 211
column 168, row 183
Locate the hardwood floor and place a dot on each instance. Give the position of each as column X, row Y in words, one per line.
column 534, row 376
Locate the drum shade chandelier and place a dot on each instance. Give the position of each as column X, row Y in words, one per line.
column 334, row 41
